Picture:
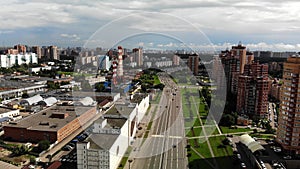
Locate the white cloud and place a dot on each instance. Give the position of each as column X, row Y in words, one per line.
column 264, row 19
column 73, row 37
column 261, row 46
column 30, row 15
column 6, row 32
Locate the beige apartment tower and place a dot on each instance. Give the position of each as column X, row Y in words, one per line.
column 288, row 133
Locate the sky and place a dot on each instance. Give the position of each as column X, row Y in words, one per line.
column 258, row 24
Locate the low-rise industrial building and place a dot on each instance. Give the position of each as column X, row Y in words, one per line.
column 13, row 89
column 8, row 114
column 54, row 124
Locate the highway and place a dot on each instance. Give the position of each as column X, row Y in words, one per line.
column 165, row 146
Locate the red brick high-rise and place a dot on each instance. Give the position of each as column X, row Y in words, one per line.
column 252, row 91
column 234, row 62
column 193, row 63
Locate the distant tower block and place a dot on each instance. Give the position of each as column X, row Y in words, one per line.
column 120, row 71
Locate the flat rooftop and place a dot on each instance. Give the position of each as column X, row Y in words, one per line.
column 51, row 119
column 121, row 109
column 6, row 85
column 112, row 123
column 5, row 110
column 78, row 94
column 102, row 141
column 137, row 98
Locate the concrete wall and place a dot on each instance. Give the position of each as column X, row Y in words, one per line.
column 120, row 146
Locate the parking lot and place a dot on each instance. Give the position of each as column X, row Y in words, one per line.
column 272, row 157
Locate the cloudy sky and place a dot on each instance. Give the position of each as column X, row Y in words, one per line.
column 259, row 24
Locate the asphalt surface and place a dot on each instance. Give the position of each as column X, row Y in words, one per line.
column 165, row 146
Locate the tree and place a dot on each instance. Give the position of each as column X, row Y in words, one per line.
column 25, row 95
column 32, row 160
column 226, row 141
column 20, row 150
column 159, row 86
column 99, row 87
column 49, row 156
column 227, row 120
column 52, row 85
column 269, row 128
column 43, row 145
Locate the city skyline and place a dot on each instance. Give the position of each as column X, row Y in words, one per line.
column 260, row 25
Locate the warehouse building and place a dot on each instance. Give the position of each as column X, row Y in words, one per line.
column 54, row 124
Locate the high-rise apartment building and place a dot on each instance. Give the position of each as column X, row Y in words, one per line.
column 53, row 52
column 138, row 56
column 103, row 62
column 37, row 50
column 252, row 91
column 176, row 60
column 20, row 48
column 193, row 63
column 240, row 52
column 218, row 73
column 234, row 62
column 288, row 132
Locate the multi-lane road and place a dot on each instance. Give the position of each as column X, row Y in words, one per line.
column 165, row 146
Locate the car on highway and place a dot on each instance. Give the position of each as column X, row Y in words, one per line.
column 243, row 166
column 262, row 164
column 239, row 156
column 288, row 157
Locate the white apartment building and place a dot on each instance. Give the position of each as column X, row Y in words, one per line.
column 112, row 135
column 7, row 61
column 107, row 145
column 103, row 62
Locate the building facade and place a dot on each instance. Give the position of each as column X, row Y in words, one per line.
column 103, row 62
column 9, row 60
column 252, row 91
column 288, row 132
column 193, row 63
column 137, row 55
column 53, row 124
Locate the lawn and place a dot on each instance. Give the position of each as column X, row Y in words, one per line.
column 233, row 130
column 197, row 132
column 193, row 156
column 188, row 107
column 215, row 142
column 156, row 80
column 211, row 130
column 125, row 158
column 203, row 121
column 197, row 122
column 156, row 98
column 203, row 149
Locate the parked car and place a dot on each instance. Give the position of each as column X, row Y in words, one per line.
column 277, row 149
